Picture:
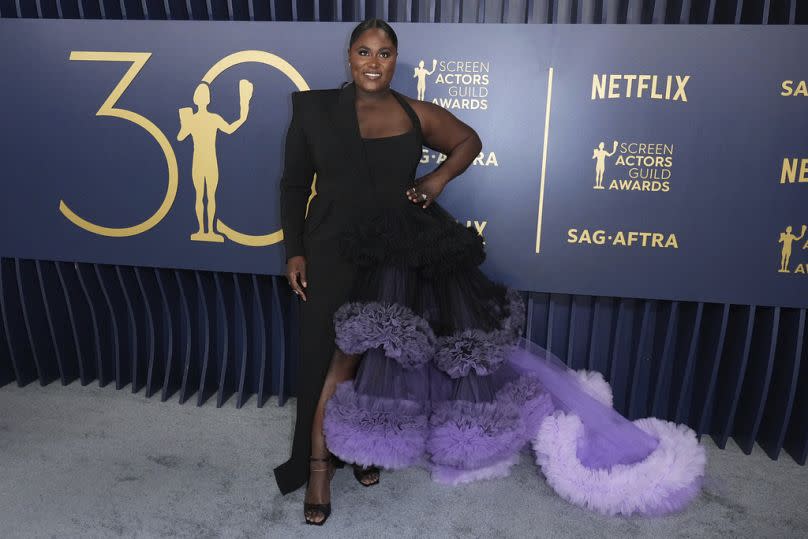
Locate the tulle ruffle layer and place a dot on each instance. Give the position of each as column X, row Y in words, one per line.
column 408, row 338
column 429, row 241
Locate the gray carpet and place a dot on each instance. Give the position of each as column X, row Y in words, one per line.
column 96, row 462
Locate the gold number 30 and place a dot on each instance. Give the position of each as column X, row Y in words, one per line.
column 138, row 60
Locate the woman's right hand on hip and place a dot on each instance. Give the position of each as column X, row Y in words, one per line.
column 296, row 275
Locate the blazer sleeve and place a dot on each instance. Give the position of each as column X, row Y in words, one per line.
column 295, row 184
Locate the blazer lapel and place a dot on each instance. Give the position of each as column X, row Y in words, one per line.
column 347, row 125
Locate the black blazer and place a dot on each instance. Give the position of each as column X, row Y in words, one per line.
column 323, row 138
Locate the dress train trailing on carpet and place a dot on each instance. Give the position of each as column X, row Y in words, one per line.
column 447, row 382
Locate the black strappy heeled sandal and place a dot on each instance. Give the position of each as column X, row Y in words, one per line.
column 361, row 474
column 322, row 508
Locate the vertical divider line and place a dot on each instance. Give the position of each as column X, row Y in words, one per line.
column 544, row 157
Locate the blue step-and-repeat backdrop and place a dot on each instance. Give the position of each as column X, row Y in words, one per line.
column 667, row 162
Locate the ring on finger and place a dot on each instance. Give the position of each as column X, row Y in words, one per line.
column 424, row 196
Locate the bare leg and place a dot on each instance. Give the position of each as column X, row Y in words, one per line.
column 342, row 368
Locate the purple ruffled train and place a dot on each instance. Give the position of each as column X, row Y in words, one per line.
column 446, row 382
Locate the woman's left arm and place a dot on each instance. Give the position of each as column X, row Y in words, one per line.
column 443, row 132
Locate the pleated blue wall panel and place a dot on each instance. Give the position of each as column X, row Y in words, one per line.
column 729, row 371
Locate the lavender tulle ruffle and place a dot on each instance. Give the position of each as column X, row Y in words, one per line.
column 588, row 452
column 404, row 336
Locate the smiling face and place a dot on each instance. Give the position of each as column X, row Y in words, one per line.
column 373, row 60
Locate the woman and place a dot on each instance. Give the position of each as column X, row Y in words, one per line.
column 428, row 366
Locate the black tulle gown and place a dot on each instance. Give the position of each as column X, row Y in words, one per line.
column 446, row 382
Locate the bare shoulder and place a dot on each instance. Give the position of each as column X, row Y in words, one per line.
column 428, row 113
column 425, row 108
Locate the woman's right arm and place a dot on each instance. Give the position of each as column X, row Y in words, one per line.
column 295, row 187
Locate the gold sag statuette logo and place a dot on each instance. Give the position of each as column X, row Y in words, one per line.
column 600, row 155
column 203, row 127
column 466, row 83
column 647, row 166
column 421, row 74
column 787, row 238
